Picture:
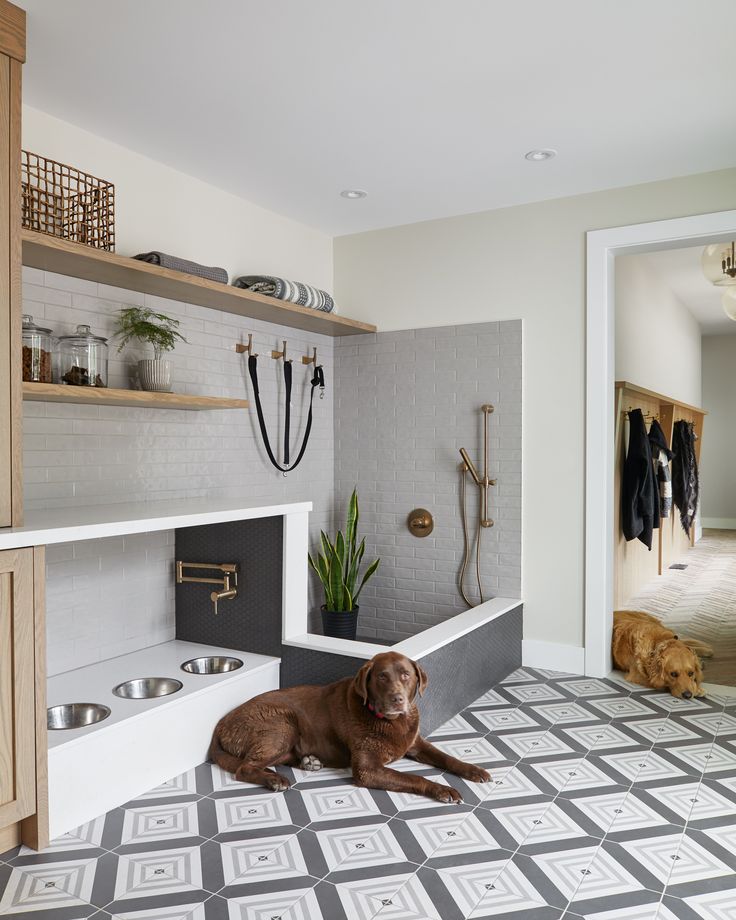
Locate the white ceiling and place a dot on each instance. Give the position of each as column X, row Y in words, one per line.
column 681, row 272
column 430, row 105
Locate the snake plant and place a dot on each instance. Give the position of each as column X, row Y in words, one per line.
column 338, row 565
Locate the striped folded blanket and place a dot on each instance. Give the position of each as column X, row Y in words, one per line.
column 184, row 265
column 291, row 291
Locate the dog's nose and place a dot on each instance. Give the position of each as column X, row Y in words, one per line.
column 686, row 694
column 397, row 698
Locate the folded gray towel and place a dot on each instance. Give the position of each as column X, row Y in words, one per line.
column 291, row 291
column 184, row 265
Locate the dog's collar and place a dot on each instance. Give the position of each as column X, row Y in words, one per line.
column 372, row 708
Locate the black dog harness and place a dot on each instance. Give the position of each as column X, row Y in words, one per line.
column 318, row 380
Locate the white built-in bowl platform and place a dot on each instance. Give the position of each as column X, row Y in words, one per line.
column 142, row 743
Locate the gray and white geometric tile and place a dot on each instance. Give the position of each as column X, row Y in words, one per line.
column 608, row 801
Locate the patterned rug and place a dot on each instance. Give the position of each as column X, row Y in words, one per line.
column 700, row 601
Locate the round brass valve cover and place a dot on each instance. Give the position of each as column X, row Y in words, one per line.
column 420, row 522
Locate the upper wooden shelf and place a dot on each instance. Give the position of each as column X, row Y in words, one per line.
column 650, row 394
column 138, row 399
column 65, row 258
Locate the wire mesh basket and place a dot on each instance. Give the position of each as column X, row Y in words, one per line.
column 63, row 201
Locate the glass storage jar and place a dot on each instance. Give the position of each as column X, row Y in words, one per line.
column 38, row 345
column 83, row 359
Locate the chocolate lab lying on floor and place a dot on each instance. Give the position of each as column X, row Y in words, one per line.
column 363, row 722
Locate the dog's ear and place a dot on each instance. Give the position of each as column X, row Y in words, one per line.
column 422, row 679
column 361, row 681
column 656, row 667
column 698, row 670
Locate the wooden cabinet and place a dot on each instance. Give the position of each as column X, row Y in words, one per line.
column 23, row 742
column 12, row 55
column 17, row 687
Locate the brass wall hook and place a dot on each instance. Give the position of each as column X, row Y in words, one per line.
column 280, row 354
column 246, row 349
column 312, row 360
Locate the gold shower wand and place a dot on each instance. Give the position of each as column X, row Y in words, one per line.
column 485, row 483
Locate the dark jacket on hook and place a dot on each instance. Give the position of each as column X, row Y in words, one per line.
column 661, row 454
column 685, row 477
column 639, row 497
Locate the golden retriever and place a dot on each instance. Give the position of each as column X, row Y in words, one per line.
column 650, row 654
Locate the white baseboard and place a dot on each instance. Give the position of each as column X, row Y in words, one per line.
column 719, row 523
column 553, row 656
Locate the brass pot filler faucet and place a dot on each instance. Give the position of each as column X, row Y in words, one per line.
column 228, row 582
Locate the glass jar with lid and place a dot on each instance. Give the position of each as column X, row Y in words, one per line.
column 83, row 359
column 38, row 345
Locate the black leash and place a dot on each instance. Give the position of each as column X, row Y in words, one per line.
column 287, row 409
column 318, row 380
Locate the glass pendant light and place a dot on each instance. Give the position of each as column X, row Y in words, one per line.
column 719, row 263
column 729, row 302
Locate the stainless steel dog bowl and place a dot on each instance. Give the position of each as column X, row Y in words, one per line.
column 147, row 688
column 213, row 664
column 75, row 715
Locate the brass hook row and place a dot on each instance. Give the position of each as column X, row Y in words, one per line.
column 648, row 416
column 242, row 349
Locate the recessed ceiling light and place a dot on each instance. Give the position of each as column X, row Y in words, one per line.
column 353, row 193
column 539, row 156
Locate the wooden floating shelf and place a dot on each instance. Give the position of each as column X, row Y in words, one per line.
column 139, row 399
column 65, row 258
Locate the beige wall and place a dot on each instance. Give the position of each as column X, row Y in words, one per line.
column 718, row 451
column 160, row 208
column 525, row 262
column 657, row 337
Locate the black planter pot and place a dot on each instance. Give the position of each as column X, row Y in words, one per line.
column 340, row 624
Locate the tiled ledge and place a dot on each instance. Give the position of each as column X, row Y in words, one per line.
column 415, row 647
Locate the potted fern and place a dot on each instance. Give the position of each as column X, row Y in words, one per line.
column 156, row 329
column 338, row 568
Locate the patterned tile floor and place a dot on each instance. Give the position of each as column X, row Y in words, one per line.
column 608, row 801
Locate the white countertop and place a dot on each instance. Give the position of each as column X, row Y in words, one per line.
column 89, row 522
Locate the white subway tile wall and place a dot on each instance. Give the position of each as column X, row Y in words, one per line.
column 108, row 597
column 397, row 407
column 405, row 402
column 77, row 454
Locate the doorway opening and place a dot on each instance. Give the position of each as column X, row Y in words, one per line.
column 675, row 361
column 604, row 248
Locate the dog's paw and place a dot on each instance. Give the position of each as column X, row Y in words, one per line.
column 311, row 763
column 475, row 774
column 445, row 794
column 277, row 783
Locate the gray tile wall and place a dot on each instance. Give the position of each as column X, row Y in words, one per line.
column 75, row 454
column 405, row 402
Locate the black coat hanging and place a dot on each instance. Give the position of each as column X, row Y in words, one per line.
column 639, row 493
column 685, row 475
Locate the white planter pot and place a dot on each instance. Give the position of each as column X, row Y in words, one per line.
column 155, row 375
